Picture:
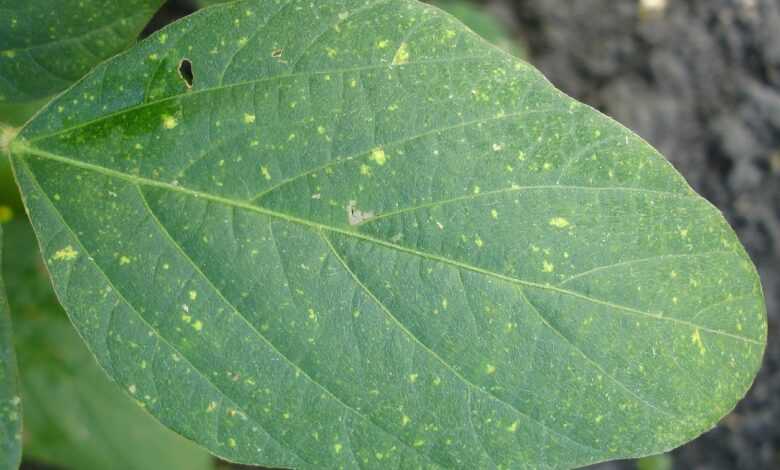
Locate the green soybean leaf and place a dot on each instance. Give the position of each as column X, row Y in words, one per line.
column 10, row 401
column 473, row 16
column 90, row 424
column 45, row 46
column 358, row 235
column 483, row 23
column 207, row 3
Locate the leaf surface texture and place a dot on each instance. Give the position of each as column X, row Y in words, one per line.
column 365, row 237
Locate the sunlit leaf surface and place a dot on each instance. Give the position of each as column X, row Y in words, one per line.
column 363, row 237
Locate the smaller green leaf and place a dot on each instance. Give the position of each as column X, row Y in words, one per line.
column 45, row 46
column 10, row 402
column 15, row 115
column 655, row 462
column 99, row 428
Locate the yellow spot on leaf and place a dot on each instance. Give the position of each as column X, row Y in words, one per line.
column 494, row 213
column 559, row 222
column 232, row 442
column 401, row 55
column 337, row 448
column 378, row 156
column 249, row 118
column 212, row 406
column 696, row 339
column 264, row 171
column 193, row 295
column 478, row 241
column 405, row 420
column 198, row 325
column 490, row 369
column 66, row 254
column 548, row 267
column 168, row 121
column 413, row 378
column 365, row 170
column 124, row 260
column 382, row 44
column 513, row 427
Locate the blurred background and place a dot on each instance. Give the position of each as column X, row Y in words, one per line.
column 699, row 79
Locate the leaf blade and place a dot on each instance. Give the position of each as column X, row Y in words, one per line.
column 317, row 191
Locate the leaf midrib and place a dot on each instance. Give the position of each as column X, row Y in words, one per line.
column 19, row 148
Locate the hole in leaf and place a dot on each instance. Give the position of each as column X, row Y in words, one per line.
column 185, row 72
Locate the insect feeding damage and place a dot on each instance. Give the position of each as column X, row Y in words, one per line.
column 355, row 216
column 185, row 72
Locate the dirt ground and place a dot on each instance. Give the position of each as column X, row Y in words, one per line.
column 700, row 81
